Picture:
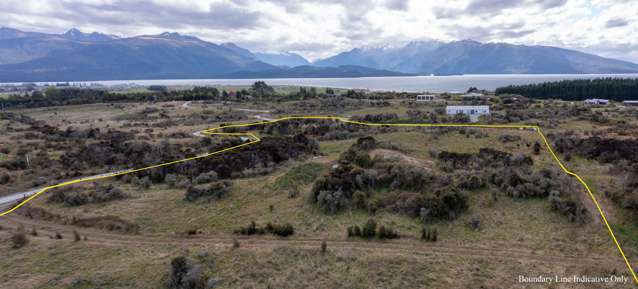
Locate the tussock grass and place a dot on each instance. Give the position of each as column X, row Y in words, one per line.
column 300, row 175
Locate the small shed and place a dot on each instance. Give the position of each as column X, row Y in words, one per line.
column 425, row 97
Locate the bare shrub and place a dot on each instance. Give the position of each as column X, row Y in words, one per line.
column 184, row 275
column 324, row 247
column 205, row 178
column 216, row 190
column 19, row 238
column 235, row 244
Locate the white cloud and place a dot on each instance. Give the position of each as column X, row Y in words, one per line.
column 318, row 29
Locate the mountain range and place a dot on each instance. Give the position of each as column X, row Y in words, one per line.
column 472, row 57
column 74, row 55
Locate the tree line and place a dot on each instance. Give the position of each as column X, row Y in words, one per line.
column 74, row 96
column 617, row 89
column 56, row 96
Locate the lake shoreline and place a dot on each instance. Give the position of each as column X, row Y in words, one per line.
column 434, row 83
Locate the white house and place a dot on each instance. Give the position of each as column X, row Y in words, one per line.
column 473, row 111
column 425, row 97
column 597, row 101
column 630, row 103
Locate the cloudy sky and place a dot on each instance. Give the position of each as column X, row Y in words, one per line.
column 318, row 29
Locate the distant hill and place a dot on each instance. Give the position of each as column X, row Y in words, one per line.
column 278, row 59
column 282, row 59
column 404, row 58
column 308, row 71
column 74, row 56
column 472, row 57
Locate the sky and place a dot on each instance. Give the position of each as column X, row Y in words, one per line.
column 318, row 29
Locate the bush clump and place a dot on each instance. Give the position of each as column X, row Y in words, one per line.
column 506, row 138
column 216, row 190
column 205, row 178
column 171, row 180
column 369, row 230
column 101, row 193
column 185, row 275
column 19, row 238
column 429, row 235
column 352, row 182
column 4, row 178
column 284, row 230
column 574, row 211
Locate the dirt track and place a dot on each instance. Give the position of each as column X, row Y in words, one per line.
column 404, row 247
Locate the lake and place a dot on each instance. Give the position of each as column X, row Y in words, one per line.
column 452, row 83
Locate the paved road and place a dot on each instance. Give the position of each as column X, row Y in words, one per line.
column 9, row 200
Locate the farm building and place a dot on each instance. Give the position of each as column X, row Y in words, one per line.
column 630, row 103
column 425, row 97
column 473, row 111
column 595, row 101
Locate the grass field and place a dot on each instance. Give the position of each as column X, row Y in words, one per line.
column 65, row 264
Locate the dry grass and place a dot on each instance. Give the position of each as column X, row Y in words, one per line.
column 47, row 263
column 506, row 223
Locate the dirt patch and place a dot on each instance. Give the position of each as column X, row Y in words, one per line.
column 110, row 223
column 386, row 155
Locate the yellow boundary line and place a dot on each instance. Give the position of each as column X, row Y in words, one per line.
column 254, row 139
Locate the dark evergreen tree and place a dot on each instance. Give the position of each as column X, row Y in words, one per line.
column 617, row 89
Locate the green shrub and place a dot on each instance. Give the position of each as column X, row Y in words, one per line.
column 284, row 230
column 332, row 201
column 363, row 160
column 429, row 235
column 387, row 233
column 359, row 200
column 369, row 230
column 251, row 229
